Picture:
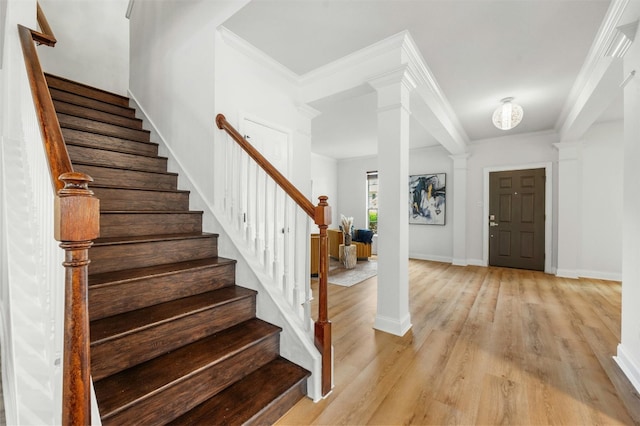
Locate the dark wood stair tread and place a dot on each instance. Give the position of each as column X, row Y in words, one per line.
column 111, row 278
column 87, row 125
column 71, row 86
column 150, row 238
column 77, row 136
column 120, row 325
column 115, row 392
column 152, row 212
column 96, row 104
column 133, row 188
column 89, row 113
column 116, row 150
column 129, row 169
column 254, row 398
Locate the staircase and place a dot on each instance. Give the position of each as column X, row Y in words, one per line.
column 173, row 339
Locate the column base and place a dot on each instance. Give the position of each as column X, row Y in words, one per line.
column 398, row 327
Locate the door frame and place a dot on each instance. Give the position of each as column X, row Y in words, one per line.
column 242, row 116
column 548, row 209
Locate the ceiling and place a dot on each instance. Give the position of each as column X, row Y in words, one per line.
column 479, row 52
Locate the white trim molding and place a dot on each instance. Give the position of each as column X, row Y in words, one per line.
column 595, row 58
column 392, row 325
column 628, row 367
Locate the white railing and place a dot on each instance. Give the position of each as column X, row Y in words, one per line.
column 271, row 216
column 268, row 222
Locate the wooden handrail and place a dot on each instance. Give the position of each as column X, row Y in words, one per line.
column 282, row 181
column 46, row 32
column 59, row 162
column 321, row 215
column 76, row 224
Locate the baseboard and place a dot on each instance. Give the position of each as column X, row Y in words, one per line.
column 567, row 273
column 392, row 325
column 476, row 262
column 599, row 275
column 422, row 256
column 628, row 367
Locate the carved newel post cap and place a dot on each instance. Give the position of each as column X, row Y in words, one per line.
column 75, row 182
column 77, row 211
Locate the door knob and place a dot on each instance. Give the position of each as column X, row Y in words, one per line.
column 493, row 224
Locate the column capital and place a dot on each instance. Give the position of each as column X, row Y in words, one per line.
column 460, row 160
column 568, row 150
column 399, row 75
column 307, row 114
column 394, row 87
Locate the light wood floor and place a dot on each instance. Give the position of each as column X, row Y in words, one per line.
column 487, row 346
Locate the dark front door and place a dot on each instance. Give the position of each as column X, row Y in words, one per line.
column 516, row 219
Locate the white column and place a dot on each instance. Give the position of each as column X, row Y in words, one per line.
column 457, row 193
column 628, row 354
column 393, row 220
column 568, row 208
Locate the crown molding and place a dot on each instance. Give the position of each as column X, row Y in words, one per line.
column 241, row 45
column 385, row 46
column 308, row 111
column 595, row 60
column 404, row 58
column 426, row 80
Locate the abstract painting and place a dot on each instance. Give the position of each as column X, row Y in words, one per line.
column 427, row 199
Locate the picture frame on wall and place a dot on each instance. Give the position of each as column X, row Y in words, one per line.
column 427, row 199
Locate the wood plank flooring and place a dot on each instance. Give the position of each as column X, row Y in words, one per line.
column 487, row 346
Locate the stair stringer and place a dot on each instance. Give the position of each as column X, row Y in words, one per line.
column 296, row 339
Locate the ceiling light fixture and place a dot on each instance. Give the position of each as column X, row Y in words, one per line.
column 508, row 115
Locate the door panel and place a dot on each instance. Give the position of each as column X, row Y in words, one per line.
column 516, row 213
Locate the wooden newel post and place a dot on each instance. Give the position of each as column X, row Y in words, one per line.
column 323, row 325
column 77, row 223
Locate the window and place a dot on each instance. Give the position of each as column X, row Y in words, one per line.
column 372, row 201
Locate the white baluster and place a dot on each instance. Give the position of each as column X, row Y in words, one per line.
column 259, row 219
column 251, row 201
column 225, row 156
column 306, row 306
column 286, row 248
column 244, row 194
column 268, row 222
column 234, row 183
column 277, row 231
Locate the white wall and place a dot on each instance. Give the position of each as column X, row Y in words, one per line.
column 425, row 241
column 432, row 242
column 31, row 275
column 517, row 150
column 93, row 42
column 601, row 202
column 628, row 355
column 183, row 73
column 324, row 178
column 599, row 247
column 245, row 86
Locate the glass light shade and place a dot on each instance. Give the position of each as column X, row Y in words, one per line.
column 508, row 115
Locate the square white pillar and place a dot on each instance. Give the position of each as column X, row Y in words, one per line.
column 459, row 210
column 568, row 205
column 393, row 90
